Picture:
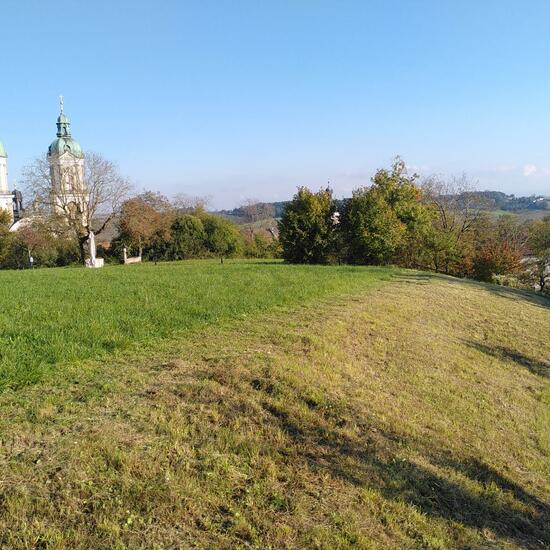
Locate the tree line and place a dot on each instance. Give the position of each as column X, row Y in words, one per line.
column 56, row 228
column 437, row 225
column 159, row 229
column 430, row 225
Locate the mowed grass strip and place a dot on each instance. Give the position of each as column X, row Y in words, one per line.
column 413, row 415
column 52, row 317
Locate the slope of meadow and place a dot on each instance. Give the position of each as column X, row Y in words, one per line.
column 410, row 412
column 50, row 317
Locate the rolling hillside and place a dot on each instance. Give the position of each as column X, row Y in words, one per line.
column 360, row 408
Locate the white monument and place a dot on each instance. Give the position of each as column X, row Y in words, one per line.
column 93, row 260
column 131, row 259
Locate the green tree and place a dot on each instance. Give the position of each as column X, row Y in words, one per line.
column 438, row 250
column 371, row 227
column 223, row 239
column 306, row 229
column 378, row 221
column 5, row 236
column 35, row 238
column 188, row 238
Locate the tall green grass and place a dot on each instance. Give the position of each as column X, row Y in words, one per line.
column 53, row 316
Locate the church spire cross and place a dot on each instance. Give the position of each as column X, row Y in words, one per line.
column 63, row 124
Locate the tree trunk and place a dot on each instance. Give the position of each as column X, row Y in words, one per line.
column 81, row 243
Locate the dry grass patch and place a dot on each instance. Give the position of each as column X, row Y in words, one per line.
column 413, row 416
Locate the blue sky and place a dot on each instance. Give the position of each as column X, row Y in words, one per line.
column 249, row 99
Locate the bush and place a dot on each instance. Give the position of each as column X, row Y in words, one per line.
column 35, row 239
column 261, row 246
column 496, row 258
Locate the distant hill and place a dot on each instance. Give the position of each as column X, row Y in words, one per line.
column 242, row 213
column 500, row 203
column 511, row 203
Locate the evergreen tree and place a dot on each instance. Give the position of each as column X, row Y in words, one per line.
column 306, row 229
column 188, row 238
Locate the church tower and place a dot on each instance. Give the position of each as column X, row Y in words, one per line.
column 69, row 193
column 6, row 197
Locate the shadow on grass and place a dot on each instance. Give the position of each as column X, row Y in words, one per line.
column 482, row 473
column 438, row 489
column 536, row 366
column 507, row 292
column 516, row 294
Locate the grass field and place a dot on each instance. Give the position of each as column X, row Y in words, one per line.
column 48, row 317
column 318, row 408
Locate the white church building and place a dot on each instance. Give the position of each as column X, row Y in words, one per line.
column 9, row 200
column 66, row 160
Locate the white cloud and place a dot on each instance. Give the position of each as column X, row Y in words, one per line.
column 529, row 170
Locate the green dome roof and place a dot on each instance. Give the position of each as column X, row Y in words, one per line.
column 2, row 150
column 65, row 145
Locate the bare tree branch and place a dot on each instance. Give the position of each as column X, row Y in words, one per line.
column 74, row 202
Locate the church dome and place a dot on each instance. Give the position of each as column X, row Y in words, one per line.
column 2, row 150
column 64, row 143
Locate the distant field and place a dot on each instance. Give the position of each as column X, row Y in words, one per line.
column 53, row 316
column 273, row 407
column 522, row 214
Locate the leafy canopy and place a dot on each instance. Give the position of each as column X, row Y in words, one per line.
column 377, row 220
column 188, row 238
column 306, row 227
